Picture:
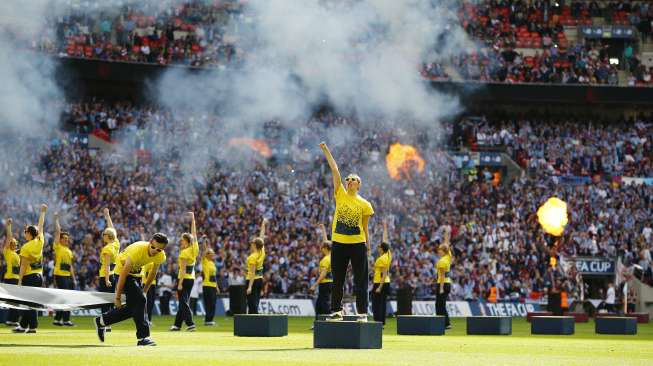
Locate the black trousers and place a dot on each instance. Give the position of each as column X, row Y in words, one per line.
column 135, row 308
column 379, row 302
column 102, row 287
column 210, row 294
column 322, row 305
column 12, row 314
column 150, row 298
column 255, row 297
column 341, row 255
column 164, row 302
column 184, row 313
column 441, row 302
column 29, row 318
column 65, row 283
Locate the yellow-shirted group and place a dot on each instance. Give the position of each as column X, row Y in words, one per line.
column 133, row 270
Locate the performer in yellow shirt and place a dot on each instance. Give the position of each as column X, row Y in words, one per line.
column 325, row 278
column 190, row 249
column 350, row 237
column 443, row 268
column 129, row 265
column 31, row 268
column 255, row 270
column 108, row 256
column 64, row 268
column 381, row 286
column 210, row 288
column 12, row 260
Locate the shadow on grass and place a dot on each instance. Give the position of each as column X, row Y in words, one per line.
column 52, row 345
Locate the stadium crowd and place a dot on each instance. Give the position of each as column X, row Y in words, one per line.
column 495, row 234
column 518, row 41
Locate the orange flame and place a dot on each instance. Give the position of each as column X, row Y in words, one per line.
column 402, row 160
column 258, row 145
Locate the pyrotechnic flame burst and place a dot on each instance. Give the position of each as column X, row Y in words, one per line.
column 258, row 145
column 403, row 160
column 552, row 216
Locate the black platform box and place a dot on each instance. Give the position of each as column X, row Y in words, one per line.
column 615, row 325
column 420, row 325
column 345, row 334
column 489, row 325
column 260, row 325
column 562, row 325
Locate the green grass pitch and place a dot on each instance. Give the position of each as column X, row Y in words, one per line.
column 217, row 346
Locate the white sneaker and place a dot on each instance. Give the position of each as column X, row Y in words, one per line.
column 334, row 317
column 209, row 324
column 174, row 329
column 362, row 319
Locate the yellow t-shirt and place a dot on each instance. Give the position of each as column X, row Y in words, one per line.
column 138, row 253
column 63, row 259
column 209, row 272
column 190, row 255
column 145, row 271
column 13, row 264
column 381, row 264
column 256, row 259
column 33, row 252
column 347, row 227
column 444, row 264
column 112, row 250
column 325, row 264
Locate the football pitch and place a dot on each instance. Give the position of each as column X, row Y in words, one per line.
column 217, row 346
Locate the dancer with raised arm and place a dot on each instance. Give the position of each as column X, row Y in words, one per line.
column 255, row 262
column 64, row 268
column 31, row 268
column 12, row 271
column 108, row 255
column 349, row 234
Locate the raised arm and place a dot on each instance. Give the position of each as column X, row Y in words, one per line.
column 9, row 236
column 323, row 231
column 193, row 229
column 41, row 223
column 385, row 231
column 262, row 231
column 337, row 180
column 107, row 218
column 57, row 229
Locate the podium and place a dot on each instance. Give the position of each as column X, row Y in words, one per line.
column 260, row 325
column 489, row 325
column 615, row 325
column 346, row 334
column 560, row 325
column 420, row 325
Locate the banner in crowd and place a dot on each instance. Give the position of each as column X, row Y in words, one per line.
column 637, row 181
column 607, row 31
column 471, row 160
column 594, row 266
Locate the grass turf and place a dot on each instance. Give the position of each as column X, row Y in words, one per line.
column 217, row 346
